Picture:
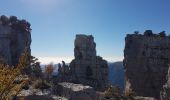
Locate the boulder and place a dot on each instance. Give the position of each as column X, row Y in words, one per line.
column 76, row 91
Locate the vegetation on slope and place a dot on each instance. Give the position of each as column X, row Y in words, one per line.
column 11, row 78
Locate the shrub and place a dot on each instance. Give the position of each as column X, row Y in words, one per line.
column 49, row 70
column 130, row 95
column 11, row 78
column 162, row 34
column 136, row 32
column 148, row 33
column 41, row 84
column 113, row 92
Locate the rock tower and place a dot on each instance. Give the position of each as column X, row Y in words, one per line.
column 146, row 59
column 86, row 68
column 15, row 36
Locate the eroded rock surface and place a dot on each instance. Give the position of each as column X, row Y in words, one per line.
column 146, row 59
column 37, row 94
column 144, row 98
column 86, row 68
column 76, row 91
column 165, row 93
column 15, row 37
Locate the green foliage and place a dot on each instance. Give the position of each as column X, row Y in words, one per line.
column 36, row 68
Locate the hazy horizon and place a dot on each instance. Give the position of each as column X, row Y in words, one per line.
column 56, row 60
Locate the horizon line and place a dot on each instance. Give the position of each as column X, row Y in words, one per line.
column 56, row 59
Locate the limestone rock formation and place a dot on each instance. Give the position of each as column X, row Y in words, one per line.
column 15, row 36
column 144, row 98
column 76, row 91
column 146, row 59
column 165, row 93
column 37, row 94
column 86, row 68
column 63, row 73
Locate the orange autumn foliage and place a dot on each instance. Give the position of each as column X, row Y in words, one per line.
column 49, row 69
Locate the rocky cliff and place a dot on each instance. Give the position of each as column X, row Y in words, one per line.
column 86, row 68
column 15, row 36
column 146, row 59
column 165, row 92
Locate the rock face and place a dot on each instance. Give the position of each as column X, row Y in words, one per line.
column 86, row 68
column 76, row 91
column 165, row 93
column 15, row 36
column 146, row 59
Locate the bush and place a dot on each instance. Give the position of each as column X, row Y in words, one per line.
column 42, row 84
column 11, row 78
column 113, row 92
column 4, row 20
column 49, row 69
column 148, row 33
column 130, row 95
column 162, row 34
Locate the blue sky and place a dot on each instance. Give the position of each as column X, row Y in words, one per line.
column 55, row 23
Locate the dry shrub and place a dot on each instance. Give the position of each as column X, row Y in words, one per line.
column 49, row 69
column 11, row 78
column 112, row 93
column 41, row 84
column 130, row 95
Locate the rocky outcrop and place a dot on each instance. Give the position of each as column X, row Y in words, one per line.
column 15, row 36
column 144, row 98
column 165, row 93
column 76, row 91
column 64, row 73
column 146, row 59
column 37, row 94
column 86, row 68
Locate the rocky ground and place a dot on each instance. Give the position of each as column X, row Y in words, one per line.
column 62, row 91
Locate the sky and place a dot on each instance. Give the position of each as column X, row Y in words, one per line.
column 55, row 23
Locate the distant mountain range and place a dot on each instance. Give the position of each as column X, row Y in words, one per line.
column 116, row 73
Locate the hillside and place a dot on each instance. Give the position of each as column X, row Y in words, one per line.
column 116, row 74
